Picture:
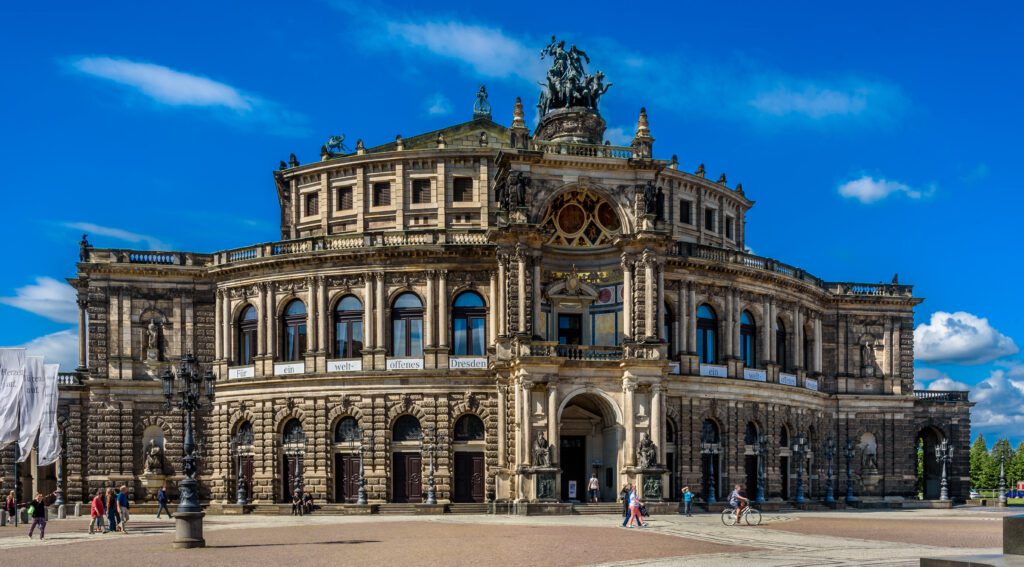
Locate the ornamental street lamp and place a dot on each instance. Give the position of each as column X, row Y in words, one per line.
column 60, row 476
column 192, row 387
column 432, row 441
column 241, row 496
column 944, row 454
column 830, row 453
column 800, row 452
column 1002, row 479
column 849, row 471
column 762, row 453
column 365, row 444
column 295, row 447
column 710, row 448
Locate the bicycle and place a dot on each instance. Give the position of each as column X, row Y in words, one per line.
column 750, row 515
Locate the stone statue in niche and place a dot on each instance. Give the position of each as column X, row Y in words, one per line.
column 646, row 452
column 542, row 451
column 868, row 362
column 153, row 340
column 155, row 458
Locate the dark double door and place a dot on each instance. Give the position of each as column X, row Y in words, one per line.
column 346, row 477
column 469, row 477
column 246, row 462
column 407, row 477
column 573, row 458
column 291, row 465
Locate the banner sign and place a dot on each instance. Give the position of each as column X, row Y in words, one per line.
column 32, row 403
column 714, row 370
column 12, row 376
column 49, row 433
column 289, row 368
column 811, row 384
column 787, row 379
column 345, row 365
column 405, row 364
column 241, row 372
column 467, row 363
column 755, row 374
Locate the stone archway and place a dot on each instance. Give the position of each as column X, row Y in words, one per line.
column 590, row 435
column 928, row 468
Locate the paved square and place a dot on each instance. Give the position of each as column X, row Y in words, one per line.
column 851, row 538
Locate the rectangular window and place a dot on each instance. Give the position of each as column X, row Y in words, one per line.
column 685, row 212
column 728, row 228
column 381, row 194
column 312, row 204
column 462, row 189
column 345, row 199
column 709, row 219
column 420, row 191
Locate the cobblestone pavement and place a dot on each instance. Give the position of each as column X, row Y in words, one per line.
column 849, row 538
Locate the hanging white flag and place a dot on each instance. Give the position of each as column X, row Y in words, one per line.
column 49, row 433
column 31, row 405
column 12, row 375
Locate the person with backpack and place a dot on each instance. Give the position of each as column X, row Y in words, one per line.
column 96, row 513
column 161, row 500
column 37, row 512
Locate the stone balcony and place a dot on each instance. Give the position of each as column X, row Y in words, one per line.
column 942, row 396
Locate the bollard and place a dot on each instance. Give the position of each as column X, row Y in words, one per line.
column 62, row 512
column 78, row 509
column 24, row 515
column 3, row 518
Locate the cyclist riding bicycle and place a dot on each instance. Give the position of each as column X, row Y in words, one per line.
column 738, row 501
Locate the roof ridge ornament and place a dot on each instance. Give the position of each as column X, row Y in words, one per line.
column 482, row 108
column 568, row 103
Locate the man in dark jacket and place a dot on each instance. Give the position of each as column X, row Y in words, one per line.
column 161, row 500
column 37, row 511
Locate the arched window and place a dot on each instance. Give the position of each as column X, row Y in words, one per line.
column 670, row 432
column 293, row 434
column 748, row 340
column 243, row 435
column 709, row 432
column 346, row 431
column 780, row 345
column 407, row 326
column 407, row 428
column 666, row 330
column 783, row 436
column 247, row 323
column 293, row 331
column 750, row 435
column 469, row 428
column 469, row 318
column 348, row 327
column 707, row 334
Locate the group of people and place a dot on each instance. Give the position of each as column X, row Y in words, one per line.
column 302, row 504
column 108, row 510
column 632, row 507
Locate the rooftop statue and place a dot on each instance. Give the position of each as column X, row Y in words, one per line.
column 568, row 84
column 482, row 108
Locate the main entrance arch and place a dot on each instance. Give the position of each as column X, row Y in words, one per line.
column 929, row 470
column 590, row 433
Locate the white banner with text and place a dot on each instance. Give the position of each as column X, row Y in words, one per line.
column 12, row 375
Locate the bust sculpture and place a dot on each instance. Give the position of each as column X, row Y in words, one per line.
column 646, row 452
column 542, row 451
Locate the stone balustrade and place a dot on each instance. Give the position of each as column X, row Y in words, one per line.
column 942, row 395
column 68, row 379
column 583, row 150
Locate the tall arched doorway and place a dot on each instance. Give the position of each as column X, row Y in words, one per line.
column 406, row 460
column 590, row 435
column 929, row 470
column 347, row 438
column 711, row 460
column 293, row 445
column 468, row 445
column 750, row 459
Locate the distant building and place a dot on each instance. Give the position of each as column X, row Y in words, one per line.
column 550, row 305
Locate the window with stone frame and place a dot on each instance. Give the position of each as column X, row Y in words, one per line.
column 407, row 326
column 707, row 335
column 469, row 428
column 247, row 328
column 312, row 204
column 345, row 202
column 462, row 189
column 420, row 191
column 685, row 211
column 406, row 428
column 293, row 331
column 781, row 350
column 748, row 340
column 347, row 430
column 728, row 228
column 382, row 194
column 348, row 327
column 709, row 219
column 469, row 320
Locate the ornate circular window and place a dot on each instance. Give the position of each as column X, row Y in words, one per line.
column 571, row 219
column 581, row 219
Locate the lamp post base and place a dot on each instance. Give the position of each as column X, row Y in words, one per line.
column 188, row 530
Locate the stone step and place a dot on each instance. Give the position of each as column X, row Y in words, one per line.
column 468, row 508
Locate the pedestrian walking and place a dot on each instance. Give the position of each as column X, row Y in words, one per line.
column 687, row 501
column 122, row 508
column 161, row 500
column 11, row 506
column 110, row 504
column 37, row 512
column 624, row 496
column 96, row 513
column 634, row 510
column 594, row 488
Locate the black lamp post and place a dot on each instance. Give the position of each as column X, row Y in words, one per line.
column 710, row 448
column 830, row 453
column 800, row 453
column 190, row 387
column 365, row 444
column 944, row 454
column 295, row 441
column 849, row 471
column 431, row 440
column 762, row 453
column 241, row 495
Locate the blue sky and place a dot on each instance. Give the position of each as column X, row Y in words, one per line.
column 876, row 138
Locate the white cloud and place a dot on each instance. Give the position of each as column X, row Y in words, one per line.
column 119, row 234
column 867, row 189
column 60, row 347
column 960, row 338
column 1000, row 404
column 55, row 300
column 170, row 87
column 439, row 105
column 618, row 136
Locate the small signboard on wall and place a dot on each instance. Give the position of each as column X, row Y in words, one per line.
column 717, row 370
column 811, row 384
column 241, row 372
column 787, row 379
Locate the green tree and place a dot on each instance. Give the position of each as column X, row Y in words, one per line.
column 980, row 460
column 1015, row 470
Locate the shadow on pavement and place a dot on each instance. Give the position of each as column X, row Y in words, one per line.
column 341, row 542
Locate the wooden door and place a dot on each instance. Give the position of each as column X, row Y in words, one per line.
column 346, row 477
column 469, row 477
column 247, row 470
column 407, row 477
column 288, row 477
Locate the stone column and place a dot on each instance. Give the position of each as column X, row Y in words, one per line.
column 535, row 315
column 682, row 319
column 773, row 346
column 658, row 421
column 553, row 421
column 729, row 321
column 627, row 296
column 661, row 301
column 502, row 319
column 381, row 307
column 691, row 335
column 527, row 437
column 492, row 320
column 226, row 328
column 766, row 333
column 517, row 412
column 271, row 318
column 428, row 315
column 83, row 330
column 629, row 411
column 798, row 338
column 323, row 316
column 261, row 323
column 442, row 309
column 817, row 344
column 502, row 389
column 521, row 289
column 369, row 337
column 218, row 329
column 313, row 337
column 650, row 299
